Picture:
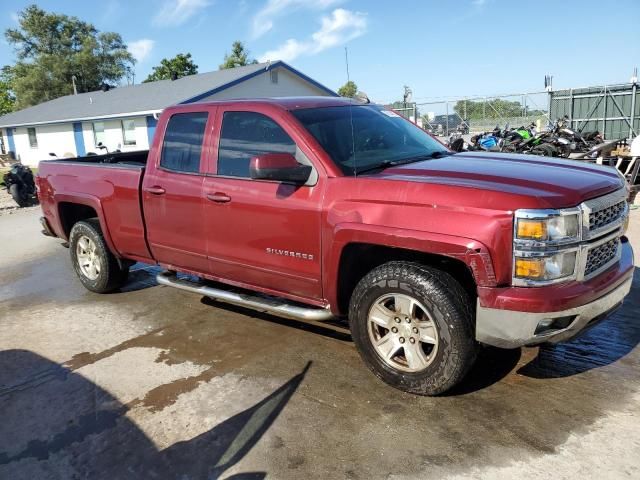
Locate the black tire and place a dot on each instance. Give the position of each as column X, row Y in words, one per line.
column 449, row 306
column 18, row 197
column 111, row 276
column 544, row 150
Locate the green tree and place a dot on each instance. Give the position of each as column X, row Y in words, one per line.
column 181, row 65
column 492, row 108
column 239, row 57
column 349, row 89
column 53, row 49
column 7, row 100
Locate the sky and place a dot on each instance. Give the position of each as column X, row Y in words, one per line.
column 440, row 49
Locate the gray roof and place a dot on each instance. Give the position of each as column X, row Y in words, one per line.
column 144, row 97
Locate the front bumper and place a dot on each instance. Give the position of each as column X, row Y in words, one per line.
column 511, row 327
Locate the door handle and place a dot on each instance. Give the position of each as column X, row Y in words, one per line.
column 155, row 190
column 218, row 197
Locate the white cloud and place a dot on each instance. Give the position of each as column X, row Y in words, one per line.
column 176, row 12
column 15, row 17
column 337, row 29
column 478, row 3
column 263, row 20
column 140, row 49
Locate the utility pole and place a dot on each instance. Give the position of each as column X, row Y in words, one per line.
column 405, row 96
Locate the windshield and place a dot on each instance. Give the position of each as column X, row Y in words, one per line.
column 380, row 137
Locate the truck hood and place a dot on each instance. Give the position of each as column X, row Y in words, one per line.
column 555, row 182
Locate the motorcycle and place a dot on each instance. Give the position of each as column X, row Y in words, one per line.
column 20, row 185
column 487, row 141
column 571, row 141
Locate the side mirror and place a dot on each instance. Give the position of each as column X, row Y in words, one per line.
column 282, row 167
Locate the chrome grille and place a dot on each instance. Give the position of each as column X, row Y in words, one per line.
column 607, row 215
column 601, row 255
column 604, row 214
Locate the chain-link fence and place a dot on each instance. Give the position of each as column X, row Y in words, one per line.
column 410, row 111
column 480, row 114
column 613, row 110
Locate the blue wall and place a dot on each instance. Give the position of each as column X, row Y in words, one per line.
column 79, row 139
column 151, row 128
column 12, row 145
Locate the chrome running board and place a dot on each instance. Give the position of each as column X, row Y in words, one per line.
column 263, row 304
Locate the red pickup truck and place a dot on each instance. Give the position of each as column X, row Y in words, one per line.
column 315, row 208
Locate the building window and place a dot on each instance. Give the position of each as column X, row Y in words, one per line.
column 98, row 133
column 182, row 145
column 274, row 76
column 129, row 132
column 33, row 139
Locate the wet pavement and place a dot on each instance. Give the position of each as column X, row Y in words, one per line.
column 152, row 382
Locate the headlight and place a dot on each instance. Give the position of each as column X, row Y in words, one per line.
column 545, row 246
column 543, row 269
column 547, row 226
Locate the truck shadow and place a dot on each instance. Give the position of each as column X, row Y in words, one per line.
column 604, row 344
column 54, row 422
column 493, row 364
column 141, row 276
column 337, row 330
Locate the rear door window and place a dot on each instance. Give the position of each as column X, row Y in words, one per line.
column 182, row 145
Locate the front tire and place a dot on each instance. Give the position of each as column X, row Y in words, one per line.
column 413, row 327
column 96, row 267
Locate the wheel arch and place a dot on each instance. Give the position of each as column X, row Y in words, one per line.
column 74, row 208
column 355, row 253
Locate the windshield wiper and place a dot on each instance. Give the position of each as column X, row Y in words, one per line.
column 432, row 155
column 404, row 161
column 440, row 154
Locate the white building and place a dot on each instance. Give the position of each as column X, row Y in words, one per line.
column 125, row 117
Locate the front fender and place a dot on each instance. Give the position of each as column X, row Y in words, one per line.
column 474, row 254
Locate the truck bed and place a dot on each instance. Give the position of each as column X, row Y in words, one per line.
column 137, row 158
column 109, row 184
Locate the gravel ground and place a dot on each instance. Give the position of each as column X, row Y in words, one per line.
column 8, row 206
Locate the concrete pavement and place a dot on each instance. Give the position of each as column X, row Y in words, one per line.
column 152, row 382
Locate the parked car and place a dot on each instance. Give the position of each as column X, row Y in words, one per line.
column 334, row 209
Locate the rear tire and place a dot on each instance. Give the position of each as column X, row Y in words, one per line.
column 96, row 267
column 21, row 200
column 425, row 315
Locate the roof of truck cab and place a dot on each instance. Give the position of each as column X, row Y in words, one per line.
column 288, row 103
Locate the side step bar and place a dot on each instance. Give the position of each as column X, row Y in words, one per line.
column 264, row 304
